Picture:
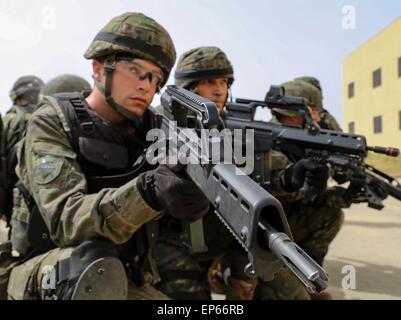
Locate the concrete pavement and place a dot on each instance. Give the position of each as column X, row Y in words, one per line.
column 370, row 241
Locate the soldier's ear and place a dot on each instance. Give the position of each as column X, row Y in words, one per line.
column 193, row 87
column 97, row 70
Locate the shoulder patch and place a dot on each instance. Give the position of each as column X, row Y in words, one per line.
column 47, row 168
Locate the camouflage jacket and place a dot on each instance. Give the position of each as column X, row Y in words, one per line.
column 49, row 169
column 14, row 124
column 327, row 121
column 280, row 162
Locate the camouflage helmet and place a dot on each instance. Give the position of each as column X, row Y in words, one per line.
column 298, row 88
column 203, row 63
column 138, row 35
column 311, row 80
column 65, row 83
column 27, row 87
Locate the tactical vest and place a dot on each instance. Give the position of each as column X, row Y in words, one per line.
column 108, row 158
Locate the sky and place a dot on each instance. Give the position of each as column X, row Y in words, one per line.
column 268, row 42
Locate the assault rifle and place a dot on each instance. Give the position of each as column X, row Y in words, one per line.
column 254, row 217
column 344, row 152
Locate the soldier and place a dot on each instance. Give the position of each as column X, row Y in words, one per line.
column 91, row 214
column 287, row 179
column 24, row 96
column 327, row 121
column 313, row 224
column 65, row 83
column 208, row 72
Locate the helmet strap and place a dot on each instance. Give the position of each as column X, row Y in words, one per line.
column 109, row 67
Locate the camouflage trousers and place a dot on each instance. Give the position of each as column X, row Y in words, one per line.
column 29, row 281
column 313, row 229
column 185, row 275
column 182, row 277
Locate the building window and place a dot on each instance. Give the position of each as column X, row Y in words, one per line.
column 399, row 67
column 351, row 90
column 377, row 78
column 351, row 127
column 377, row 124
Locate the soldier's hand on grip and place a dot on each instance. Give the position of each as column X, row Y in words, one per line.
column 306, row 172
column 162, row 188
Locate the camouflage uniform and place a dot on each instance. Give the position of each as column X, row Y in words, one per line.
column 313, row 225
column 84, row 224
column 25, row 96
column 184, row 275
column 19, row 221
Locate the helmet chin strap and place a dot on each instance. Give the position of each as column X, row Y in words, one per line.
column 109, row 67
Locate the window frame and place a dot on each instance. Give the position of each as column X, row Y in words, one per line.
column 377, row 127
column 377, row 82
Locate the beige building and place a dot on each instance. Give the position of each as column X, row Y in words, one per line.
column 372, row 88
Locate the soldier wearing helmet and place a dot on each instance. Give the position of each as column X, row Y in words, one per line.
column 24, row 96
column 315, row 224
column 285, row 285
column 92, row 197
column 306, row 91
column 208, row 72
column 26, row 90
column 327, row 121
column 65, row 83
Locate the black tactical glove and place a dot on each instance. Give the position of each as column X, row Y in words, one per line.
column 379, row 188
column 340, row 177
column 163, row 188
column 306, row 173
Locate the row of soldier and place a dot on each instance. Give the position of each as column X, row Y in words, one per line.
column 79, row 202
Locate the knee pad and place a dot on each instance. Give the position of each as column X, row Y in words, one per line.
column 103, row 279
column 94, row 272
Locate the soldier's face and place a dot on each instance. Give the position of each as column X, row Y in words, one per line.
column 135, row 83
column 291, row 121
column 215, row 90
column 316, row 116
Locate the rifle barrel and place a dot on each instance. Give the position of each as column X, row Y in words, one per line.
column 391, row 152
